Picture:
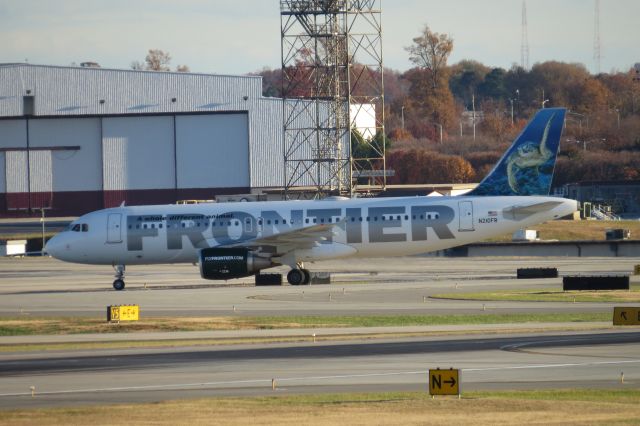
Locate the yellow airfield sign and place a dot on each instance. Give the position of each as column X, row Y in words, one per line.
column 123, row 313
column 444, row 382
column 626, row 316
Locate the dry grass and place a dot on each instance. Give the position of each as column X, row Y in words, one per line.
column 567, row 230
column 623, row 407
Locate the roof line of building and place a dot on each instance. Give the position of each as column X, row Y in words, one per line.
column 25, row 64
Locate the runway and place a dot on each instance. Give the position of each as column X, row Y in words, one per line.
column 543, row 359
column 487, row 362
column 364, row 287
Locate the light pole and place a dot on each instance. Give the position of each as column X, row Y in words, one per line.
column 544, row 102
column 43, row 242
column 473, row 105
column 511, row 100
column 402, row 116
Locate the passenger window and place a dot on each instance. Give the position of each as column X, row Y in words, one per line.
column 275, row 222
column 315, row 220
column 306, row 220
column 406, row 217
column 160, row 226
column 284, row 221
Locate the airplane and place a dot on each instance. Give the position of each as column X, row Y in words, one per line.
column 234, row 240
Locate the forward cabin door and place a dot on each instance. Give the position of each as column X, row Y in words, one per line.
column 465, row 213
column 114, row 228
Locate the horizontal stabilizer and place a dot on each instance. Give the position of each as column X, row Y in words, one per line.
column 523, row 212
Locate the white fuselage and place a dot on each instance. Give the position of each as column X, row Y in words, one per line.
column 362, row 227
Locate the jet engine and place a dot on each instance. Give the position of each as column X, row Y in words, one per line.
column 229, row 263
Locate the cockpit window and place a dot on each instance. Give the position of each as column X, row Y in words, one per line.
column 79, row 227
column 85, row 227
column 76, row 227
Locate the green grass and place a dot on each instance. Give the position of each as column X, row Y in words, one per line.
column 536, row 295
column 49, row 326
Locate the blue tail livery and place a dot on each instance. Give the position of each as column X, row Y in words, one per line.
column 527, row 166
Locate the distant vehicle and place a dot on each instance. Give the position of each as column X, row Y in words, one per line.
column 233, row 240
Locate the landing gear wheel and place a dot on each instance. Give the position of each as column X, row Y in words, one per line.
column 118, row 284
column 307, row 276
column 295, row 277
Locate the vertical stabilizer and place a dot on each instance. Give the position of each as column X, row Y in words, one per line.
column 527, row 166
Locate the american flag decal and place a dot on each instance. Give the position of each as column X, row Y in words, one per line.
column 492, row 213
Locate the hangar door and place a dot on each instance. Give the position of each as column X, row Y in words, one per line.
column 212, row 151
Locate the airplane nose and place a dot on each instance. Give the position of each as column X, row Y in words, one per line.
column 54, row 246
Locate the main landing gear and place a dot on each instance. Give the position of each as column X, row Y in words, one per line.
column 298, row 276
column 118, row 283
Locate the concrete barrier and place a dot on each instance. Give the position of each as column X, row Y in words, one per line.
column 268, row 279
column 613, row 282
column 524, row 273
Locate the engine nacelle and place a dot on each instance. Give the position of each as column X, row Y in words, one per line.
column 229, row 263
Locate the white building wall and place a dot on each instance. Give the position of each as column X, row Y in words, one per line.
column 13, row 134
column 40, row 172
column 16, row 172
column 73, row 170
column 212, row 151
column 138, row 153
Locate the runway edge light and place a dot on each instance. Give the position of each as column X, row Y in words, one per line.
column 444, row 382
column 117, row 313
column 627, row 315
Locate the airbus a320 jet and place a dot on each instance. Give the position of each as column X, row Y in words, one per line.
column 234, row 240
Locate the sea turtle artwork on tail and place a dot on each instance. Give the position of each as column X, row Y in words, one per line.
column 527, row 166
column 529, row 155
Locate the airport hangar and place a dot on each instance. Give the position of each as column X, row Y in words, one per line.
column 76, row 139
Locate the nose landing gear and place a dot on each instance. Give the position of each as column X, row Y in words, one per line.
column 118, row 283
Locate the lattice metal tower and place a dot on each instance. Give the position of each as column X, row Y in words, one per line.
column 597, row 51
column 524, row 45
column 331, row 70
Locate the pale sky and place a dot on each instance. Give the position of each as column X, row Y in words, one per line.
column 237, row 37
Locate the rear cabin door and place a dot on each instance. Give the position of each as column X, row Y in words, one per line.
column 465, row 212
column 114, row 228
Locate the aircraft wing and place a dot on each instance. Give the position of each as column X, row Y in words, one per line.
column 523, row 212
column 296, row 239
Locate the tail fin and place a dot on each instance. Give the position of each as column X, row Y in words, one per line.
column 527, row 166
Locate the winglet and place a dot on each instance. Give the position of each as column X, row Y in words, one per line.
column 527, row 166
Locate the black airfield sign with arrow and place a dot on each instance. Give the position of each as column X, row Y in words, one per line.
column 626, row 316
column 444, row 382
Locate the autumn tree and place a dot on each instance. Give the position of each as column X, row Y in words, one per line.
column 157, row 60
column 430, row 51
